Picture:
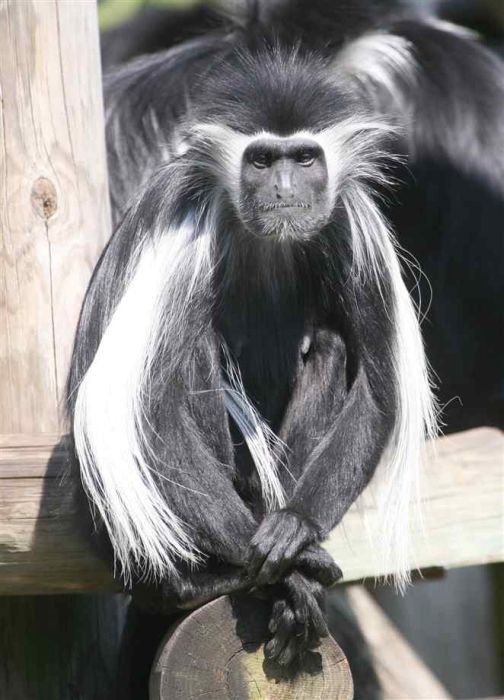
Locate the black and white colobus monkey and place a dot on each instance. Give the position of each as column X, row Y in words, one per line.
column 248, row 353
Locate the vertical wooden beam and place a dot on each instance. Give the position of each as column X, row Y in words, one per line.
column 54, row 212
column 54, row 221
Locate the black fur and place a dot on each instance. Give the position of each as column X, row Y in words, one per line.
column 456, row 176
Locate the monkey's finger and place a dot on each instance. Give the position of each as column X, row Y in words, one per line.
column 307, row 608
column 283, row 553
column 317, row 622
column 276, row 645
column 285, row 630
column 319, row 564
column 273, row 566
column 268, row 535
column 314, row 616
column 256, row 555
column 277, row 611
column 275, row 527
column 289, row 653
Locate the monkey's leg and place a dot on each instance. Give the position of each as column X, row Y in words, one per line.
column 318, row 397
column 337, row 426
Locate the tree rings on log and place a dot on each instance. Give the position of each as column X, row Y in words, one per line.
column 216, row 653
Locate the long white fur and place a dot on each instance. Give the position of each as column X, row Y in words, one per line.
column 117, row 462
column 383, row 62
column 397, row 477
column 109, row 428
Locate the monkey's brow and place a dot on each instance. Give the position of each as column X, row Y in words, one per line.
column 282, row 146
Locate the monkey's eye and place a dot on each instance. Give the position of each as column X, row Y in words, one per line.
column 306, row 157
column 261, row 159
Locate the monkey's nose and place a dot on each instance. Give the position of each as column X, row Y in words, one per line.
column 284, row 191
column 284, row 185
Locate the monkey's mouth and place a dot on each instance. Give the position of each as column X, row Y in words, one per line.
column 276, row 206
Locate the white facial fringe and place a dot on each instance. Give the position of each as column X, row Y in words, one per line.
column 397, row 477
column 266, row 449
column 109, row 421
column 353, row 144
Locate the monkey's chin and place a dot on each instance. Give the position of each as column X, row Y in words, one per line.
column 284, row 228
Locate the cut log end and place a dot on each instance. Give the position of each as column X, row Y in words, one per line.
column 217, row 653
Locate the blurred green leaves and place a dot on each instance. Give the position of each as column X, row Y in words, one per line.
column 113, row 12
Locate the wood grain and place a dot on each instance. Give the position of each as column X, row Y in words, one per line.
column 42, row 548
column 217, row 652
column 54, row 212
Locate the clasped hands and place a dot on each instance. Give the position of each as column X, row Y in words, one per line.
column 285, row 559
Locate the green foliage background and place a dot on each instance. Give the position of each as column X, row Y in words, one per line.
column 113, row 12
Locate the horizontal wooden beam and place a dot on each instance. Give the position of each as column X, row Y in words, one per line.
column 462, row 508
column 43, row 548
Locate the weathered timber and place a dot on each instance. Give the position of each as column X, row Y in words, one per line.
column 54, row 210
column 217, row 653
column 43, row 551
column 41, row 538
column 54, row 222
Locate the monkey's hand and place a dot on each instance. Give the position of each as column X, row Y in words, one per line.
column 297, row 620
column 276, row 545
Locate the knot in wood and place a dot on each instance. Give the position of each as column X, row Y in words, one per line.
column 44, row 198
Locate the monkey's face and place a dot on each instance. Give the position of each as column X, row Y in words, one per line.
column 284, row 187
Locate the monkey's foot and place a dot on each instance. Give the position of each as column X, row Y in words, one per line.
column 297, row 620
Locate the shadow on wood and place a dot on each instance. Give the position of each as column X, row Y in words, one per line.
column 217, row 652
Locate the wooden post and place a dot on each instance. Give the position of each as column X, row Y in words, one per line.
column 217, row 652
column 54, row 212
column 54, row 221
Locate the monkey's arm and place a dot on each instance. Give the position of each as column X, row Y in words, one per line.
column 337, row 425
column 196, row 462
